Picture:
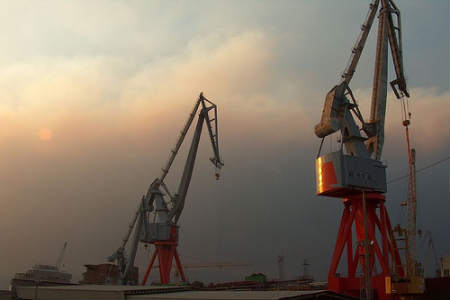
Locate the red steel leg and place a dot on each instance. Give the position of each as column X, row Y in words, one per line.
column 165, row 262
column 179, row 265
column 150, row 265
column 378, row 225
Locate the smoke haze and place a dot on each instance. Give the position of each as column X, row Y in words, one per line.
column 95, row 93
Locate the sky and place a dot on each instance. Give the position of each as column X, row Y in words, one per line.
column 94, row 94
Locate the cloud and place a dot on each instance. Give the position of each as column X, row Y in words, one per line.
column 107, row 126
column 88, row 98
column 429, row 109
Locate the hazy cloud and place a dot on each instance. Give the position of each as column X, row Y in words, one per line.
column 94, row 98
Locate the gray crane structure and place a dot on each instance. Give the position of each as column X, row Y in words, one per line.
column 162, row 229
column 355, row 172
column 61, row 256
column 341, row 109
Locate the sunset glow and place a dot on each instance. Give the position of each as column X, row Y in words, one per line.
column 94, row 95
column 45, row 134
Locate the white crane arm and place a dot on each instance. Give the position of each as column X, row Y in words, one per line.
column 183, row 186
column 360, row 42
column 61, row 256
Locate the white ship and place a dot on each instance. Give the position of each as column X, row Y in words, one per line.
column 44, row 274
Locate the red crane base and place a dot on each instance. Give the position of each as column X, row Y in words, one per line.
column 166, row 251
column 383, row 250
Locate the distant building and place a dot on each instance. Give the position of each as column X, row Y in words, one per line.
column 107, row 274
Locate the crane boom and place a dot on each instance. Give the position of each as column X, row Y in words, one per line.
column 375, row 127
column 180, row 197
column 428, row 241
column 412, row 214
column 387, row 31
column 360, row 42
column 395, row 41
column 180, row 140
column 61, row 256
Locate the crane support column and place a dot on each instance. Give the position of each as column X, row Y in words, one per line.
column 166, row 252
column 352, row 238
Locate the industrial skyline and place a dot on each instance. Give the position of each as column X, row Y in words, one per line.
column 94, row 92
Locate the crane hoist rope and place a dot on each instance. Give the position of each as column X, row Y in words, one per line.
column 420, row 169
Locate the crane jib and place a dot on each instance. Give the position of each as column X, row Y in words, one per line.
column 367, row 138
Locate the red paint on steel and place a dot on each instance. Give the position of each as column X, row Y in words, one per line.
column 166, row 251
column 351, row 235
column 179, row 265
column 329, row 176
column 150, row 265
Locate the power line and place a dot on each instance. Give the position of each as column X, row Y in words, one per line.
column 421, row 169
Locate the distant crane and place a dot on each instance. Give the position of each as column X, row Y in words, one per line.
column 306, row 265
column 427, row 241
column 280, row 261
column 162, row 230
column 411, row 231
column 355, row 172
column 413, row 274
column 61, row 256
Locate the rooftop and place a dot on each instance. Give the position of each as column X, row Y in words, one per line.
column 164, row 293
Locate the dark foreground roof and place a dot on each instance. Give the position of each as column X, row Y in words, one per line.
column 244, row 295
column 167, row 293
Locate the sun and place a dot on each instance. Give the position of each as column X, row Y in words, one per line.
column 45, row 134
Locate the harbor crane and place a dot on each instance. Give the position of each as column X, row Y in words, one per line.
column 427, row 242
column 355, row 172
column 162, row 229
column 61, row 256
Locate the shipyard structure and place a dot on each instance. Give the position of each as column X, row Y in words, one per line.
column 371, row 259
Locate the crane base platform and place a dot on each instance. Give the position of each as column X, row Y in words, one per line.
column 383, row 252
column 166, row 251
